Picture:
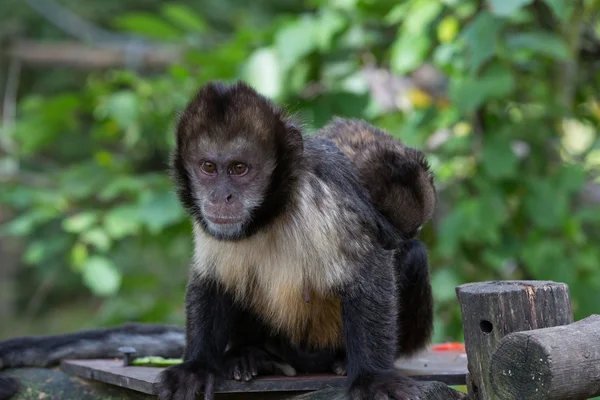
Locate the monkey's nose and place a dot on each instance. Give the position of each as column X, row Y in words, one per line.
column 228, row 198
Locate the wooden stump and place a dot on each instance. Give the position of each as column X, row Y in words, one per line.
column 551, row 364
column 491, row 310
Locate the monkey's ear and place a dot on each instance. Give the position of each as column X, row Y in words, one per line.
column 293, row 137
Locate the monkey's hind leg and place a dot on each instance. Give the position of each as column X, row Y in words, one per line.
column 415, row 299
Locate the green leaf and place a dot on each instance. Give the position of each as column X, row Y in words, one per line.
column 327, row 25
column 571, row 178
column 146, row 24
column 448, row 29
column 548, row 259
column 498, row 158
column 444, row 283
column 36, row 252
column 122, row 107
column 101, row 276
column 459, row 220
column 159, row 210
column 408, row 53
column 26, row 223
column 545, row 204
column 184, row 17
column 507, row 8
column 119, row 186
column 470, row 92
column 544, row 43
column 80, row 222
column 421, row 16
column 263, row 72
column 98, row 238
column 481, row 36
column 294, row 41
column 122, row 221
column 562, row 9
column 79, row 255
column 398, row 13
column 298, row 76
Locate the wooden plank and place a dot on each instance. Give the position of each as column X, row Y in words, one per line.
column 448, row 367
column 492, row 310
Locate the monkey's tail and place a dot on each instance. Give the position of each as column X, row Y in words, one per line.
column 415, row 299
column 46, row 351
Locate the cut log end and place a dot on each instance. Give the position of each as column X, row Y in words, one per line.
column 557, row 363
column 520, row 365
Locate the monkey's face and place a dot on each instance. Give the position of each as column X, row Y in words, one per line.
column 234, row 160
column 228, row 182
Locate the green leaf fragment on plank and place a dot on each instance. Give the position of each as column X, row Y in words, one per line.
column 155, row 361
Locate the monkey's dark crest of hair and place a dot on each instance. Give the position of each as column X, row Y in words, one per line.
column 215, row 99
column 303, row 260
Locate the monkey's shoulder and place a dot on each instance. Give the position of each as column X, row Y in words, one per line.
column 332, row 183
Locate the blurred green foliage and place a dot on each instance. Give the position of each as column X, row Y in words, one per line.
column 516, row 126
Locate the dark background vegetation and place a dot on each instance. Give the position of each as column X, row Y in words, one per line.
column 503, row 95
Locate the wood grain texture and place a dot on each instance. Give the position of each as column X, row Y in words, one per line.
column 559, row 363
column 446, row 367
column 491, row 310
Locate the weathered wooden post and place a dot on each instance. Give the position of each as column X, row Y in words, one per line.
column 491, row 310
column 556, row 363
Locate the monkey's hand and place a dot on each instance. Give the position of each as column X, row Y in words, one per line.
column 389, row 385
column 186, row 380
column 247, row 362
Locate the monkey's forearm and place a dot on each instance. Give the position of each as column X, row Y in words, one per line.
column 210, row 315
column 370, row 335
column 44, row 351
column 369, row 322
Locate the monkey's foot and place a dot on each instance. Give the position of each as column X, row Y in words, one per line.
column 390, row 385
column 185, row 381
column 339, row 367
column 247, row 362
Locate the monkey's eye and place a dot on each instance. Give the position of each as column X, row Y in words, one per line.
column 209, row 167
column 239, row 169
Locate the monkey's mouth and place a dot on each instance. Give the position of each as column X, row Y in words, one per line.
column 224, row 220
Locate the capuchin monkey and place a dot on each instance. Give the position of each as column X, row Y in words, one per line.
column 305, row 258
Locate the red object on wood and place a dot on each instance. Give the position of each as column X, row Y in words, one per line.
column 450, row 346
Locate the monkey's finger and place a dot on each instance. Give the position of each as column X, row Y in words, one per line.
column 252, row 365
column 209, row 387
column 245, row 370
column 237, row 375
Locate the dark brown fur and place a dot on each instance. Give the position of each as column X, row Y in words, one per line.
column 307, row 218
column 397, row 177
